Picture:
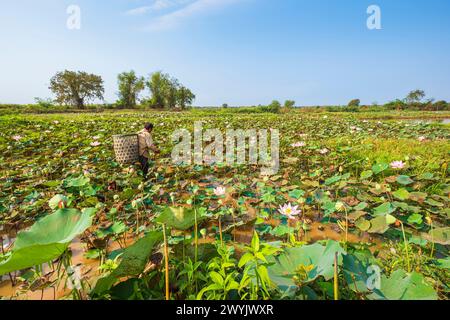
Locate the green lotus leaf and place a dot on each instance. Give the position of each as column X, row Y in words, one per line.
column 434, row 203
column 46, row 240
column 401, row 194
column 296, row 194
column 179, row 218
column 366, row 174
column 380, row 167
column 379, row 225
column 76, row 182
column 439, row 235
column 404, row 180
column 362, row 224
column 133, row 262
column 384, row 209
column 415, row 219
column 320, row 257
column 403, row 286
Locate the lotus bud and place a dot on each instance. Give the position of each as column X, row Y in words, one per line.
column 116, row 197
column 340, row 206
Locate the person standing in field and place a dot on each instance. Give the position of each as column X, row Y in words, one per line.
column 145, row 146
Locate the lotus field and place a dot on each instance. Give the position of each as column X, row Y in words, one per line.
column 358, row 210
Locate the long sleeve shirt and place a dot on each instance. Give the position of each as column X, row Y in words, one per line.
column 145, row 143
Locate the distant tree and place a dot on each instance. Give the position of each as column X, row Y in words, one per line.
column 225, row 105
column 185, row 97
column 170, row 92
column 167, row 92
column 76, row 88
column 441, row 105
column 44, row 103
column 157, row 84
column 354, row 103
column 415, row 96
column 130, row 86
column 289, row 104
column 274, row 107
column 396, row 105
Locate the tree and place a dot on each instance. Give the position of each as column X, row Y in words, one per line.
column 289, row 104
column 167, row 92
column 129, row 88
column 225, row 105
column 415, row 96
column 440, row 105
column 354, row 103
column 156, row 85
column 170, row 92
column 76, row 88
column 274, row 107
column 185, row 97
column 396, row 105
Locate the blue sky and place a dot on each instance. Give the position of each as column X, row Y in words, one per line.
column 240, row 52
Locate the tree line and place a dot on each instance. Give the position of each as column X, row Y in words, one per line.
column 415, row 100
column 77, row 89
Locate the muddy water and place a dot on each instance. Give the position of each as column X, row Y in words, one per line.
column 317, row 231
column 89, row 271
column 89, row 268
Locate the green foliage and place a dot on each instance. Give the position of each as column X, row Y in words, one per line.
column 133, row 262
column 130, row 86
column 255, row 260
column 354, row 103
column 76, row 88
column 317, row 259
column 222, row 276
column 415, row 96
column 178, row 218
column 273, row 107
column 46, row 240
column 167, row 92
column 289, row 104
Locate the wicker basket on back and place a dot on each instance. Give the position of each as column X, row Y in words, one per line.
column 126, row 147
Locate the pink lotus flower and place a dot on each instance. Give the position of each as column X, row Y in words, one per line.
column 289, row 211
column 220, row 191
column 17, row 138
column 95, row 144
column 422, row 139
column 398, row 165
column 298, row 144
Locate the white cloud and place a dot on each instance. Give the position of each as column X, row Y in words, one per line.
column 157, row 5
column 196, row 7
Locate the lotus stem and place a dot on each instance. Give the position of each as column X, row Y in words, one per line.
column 196, row 235
column 406, row 247
column 346, row 226
column 432, row 239
column 166, row 258
column 220, row 231
column 336, row 283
